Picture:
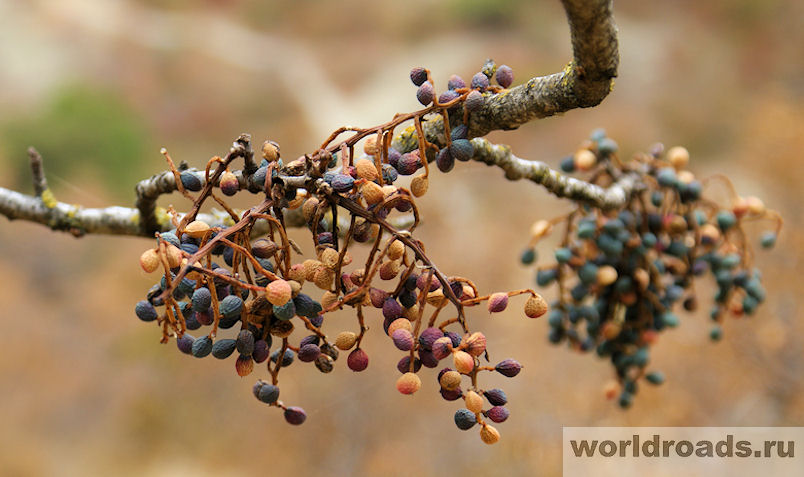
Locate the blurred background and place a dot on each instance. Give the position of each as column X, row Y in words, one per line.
column 98, row 86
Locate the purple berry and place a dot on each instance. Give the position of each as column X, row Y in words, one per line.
column 444, row 160
column 404, row 365
column 505, row 77
column 429, row 336
column 408, row 163
column 426, row 93
column 185, row 343
column 447, row 96
column 261, row 351
column 497, row 414
column 418, row 75
column 391, row 309
column 403, row 339
column 496, row 397
column 508, row 368
column 474, row 101
column 456, row 82
column 309, row 352
column 480, row 81
column 295, row 415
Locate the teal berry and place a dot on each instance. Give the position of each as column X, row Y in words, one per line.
column 655, row 377
column 716, row 333
column 726, row 219
column 768, row 240
column 528, row 256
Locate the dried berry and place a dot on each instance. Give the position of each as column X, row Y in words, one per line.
column 429, row 336
column 473, row 101
column 342, row 182
column 535, row 307
column 202, row 347
column 442, row 347
column 295, row 415
column 425, row 93
column 463, row 362
column 489, row 434
column 480, row 82
column 473, row 401
column 498, row 302
column 223, row 348
column 185, row 343
column 403, row 339
column 456, row 82
column 268, row 393
column 408, row 383
column 309, row 352
column 145, row 311
column 231, row 306
column 202, row 299
column 418, row 75
column 450, row 380
column 149, row 261
column 462, row 149
column 357, row 360
column 244, row 365
column 278, row 292
column 496, row 397
column 408, row 163
column 504, row 76
column 190, row 181
column 465, row 419
column 345, row 340
column 245, row 342
column 229, row 184
column 508, row 368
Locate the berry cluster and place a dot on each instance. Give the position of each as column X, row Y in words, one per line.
column 620, row 274
column 250, row 277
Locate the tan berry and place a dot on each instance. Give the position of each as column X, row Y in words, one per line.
column 370, row 146
column 296, row 273
column 451, row 380
column 606, row 275
column 311, row 267
column 419, row 185
column 328, row 299
column 475, row 343
column 679, row 157
column 584, row 159
column 540, row 228
column 149, row 260
column 399, row 324
column 396, row 250
column 174, row 256
column 489, row 435
column 389, row 269
column 473, row 401
column 408, row 383
column 366, row 170
column 270, row 151
column 324, row 278
column 345, row 340
column 196, row 229
column 463, row 362
column 278, row 292
column 372, row 192
column 309, row 207
column 755, row 205
column 329, row 257
column 536, row 306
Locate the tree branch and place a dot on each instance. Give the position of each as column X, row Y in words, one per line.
column 612, row 197
column 583, row 83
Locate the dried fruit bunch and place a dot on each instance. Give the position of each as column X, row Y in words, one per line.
column 248, row 275
column 620, row 274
